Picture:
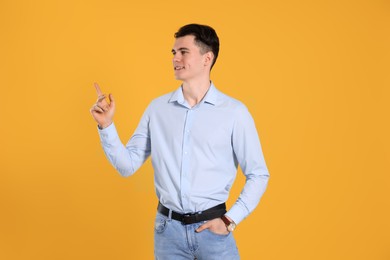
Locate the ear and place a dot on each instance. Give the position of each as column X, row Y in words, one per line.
column 208, row 58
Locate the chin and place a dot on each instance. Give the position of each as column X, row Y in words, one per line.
column 177, row 77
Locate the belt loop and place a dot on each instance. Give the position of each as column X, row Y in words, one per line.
column 170, row 215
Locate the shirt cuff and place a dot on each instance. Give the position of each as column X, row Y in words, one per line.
column 237, row 214
column 107, row 134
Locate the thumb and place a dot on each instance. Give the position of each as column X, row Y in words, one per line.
column 112, row 100
column 203, row 227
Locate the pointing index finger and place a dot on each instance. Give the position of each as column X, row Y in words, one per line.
column 98, row 91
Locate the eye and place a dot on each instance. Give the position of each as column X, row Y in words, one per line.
column 183, row 52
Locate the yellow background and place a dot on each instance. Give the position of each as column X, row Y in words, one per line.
column 314, row 74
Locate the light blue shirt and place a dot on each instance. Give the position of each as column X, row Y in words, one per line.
column 195, row 152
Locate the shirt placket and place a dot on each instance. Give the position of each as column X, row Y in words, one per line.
column 185, row 166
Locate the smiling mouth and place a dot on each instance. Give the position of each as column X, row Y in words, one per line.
column 178, row 68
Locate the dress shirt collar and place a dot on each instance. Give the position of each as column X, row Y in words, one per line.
column 211, row 96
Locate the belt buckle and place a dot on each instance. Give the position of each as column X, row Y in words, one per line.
column 189, row 218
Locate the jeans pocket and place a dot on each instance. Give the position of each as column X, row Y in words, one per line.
column 160, row 224
column 216, row 234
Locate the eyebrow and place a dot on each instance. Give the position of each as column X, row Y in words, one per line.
column 181, row 49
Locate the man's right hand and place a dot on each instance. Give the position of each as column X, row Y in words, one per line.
column 102, row 111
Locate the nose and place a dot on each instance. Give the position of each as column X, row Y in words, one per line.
column 176, row 57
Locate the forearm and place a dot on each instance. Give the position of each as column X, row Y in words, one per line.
column 115, row 151
column 250, row 196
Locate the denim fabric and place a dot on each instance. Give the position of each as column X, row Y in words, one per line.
column 175, row 241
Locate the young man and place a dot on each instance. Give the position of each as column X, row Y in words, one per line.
column 197, row 137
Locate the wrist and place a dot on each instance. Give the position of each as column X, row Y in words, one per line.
column 102, row 126
column 229, row 223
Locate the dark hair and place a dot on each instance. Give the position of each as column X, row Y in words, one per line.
column 205, row 37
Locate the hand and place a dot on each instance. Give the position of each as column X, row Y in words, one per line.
column 216, row 226
column 102, row 111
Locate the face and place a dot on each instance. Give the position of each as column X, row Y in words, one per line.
column 188, row 61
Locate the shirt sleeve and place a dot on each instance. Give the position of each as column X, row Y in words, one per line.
column 249, row 155
column 127, row 159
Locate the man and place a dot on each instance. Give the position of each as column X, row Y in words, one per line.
column 197, row 137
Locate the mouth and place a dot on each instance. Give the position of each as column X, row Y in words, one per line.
column 178, row 68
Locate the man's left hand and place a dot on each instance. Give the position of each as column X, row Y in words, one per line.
column 216, row 226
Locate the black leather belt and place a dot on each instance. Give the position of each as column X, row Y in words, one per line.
column 191, row 218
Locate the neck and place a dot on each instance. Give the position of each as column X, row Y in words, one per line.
column 195, row 91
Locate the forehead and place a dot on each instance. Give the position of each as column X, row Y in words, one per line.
column 187, row 41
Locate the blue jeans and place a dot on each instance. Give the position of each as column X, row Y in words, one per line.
column 175, row 241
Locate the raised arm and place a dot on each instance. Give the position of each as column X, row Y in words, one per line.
column 125, row 159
